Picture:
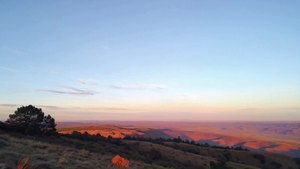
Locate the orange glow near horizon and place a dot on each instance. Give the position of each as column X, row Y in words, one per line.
column 165, row 111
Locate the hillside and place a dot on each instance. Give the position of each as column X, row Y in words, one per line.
column 282, row 138
column 86, row 151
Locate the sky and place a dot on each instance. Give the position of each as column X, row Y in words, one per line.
column 170, row 60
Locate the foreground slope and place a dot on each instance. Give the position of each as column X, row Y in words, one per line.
column 85, row 151
column 47, row 155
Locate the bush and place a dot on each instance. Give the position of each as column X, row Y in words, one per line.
column 260, row 157
column 227, row 156
column 297, row 160
column 218, row 165
column 275, row 165
column 153, row 155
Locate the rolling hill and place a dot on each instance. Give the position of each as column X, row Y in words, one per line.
column 280, row 138
column 87, row 151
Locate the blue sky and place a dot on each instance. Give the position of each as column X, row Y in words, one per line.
column 151, row 60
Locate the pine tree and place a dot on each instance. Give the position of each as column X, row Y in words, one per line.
column 31, row 120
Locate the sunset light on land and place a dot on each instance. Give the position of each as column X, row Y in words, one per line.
column 152, row 60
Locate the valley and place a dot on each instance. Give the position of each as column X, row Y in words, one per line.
column 280, row 138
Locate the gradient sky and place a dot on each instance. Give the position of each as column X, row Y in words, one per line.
column 152, row 60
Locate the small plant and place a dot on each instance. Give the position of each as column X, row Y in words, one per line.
column 260, row 157
column 120, row 162
column 24, row 164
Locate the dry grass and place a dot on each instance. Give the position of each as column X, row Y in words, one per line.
column 24, row 164
column 45, row 155
column 52, row 156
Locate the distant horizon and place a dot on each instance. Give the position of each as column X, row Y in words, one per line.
column 165, row 121
column 119, row 116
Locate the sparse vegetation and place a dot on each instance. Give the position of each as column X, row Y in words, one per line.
column 82, row 150
column 71, row 151
column 179, row 140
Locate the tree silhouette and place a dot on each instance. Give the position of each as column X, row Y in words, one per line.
column 48, row 125
column 31, row 120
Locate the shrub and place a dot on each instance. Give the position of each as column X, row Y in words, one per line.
column 260, row 157
column 120, row 162
column 153, row 155
column 275, row 165
column 218, row 165
column 227, row 156
column 297, row 161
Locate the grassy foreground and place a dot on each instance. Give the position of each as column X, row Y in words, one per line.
column 96, row 152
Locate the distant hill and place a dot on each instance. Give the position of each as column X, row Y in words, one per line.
column 280, row 138
column 83, row 151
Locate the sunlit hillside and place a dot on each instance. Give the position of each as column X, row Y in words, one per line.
column 280, row 138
